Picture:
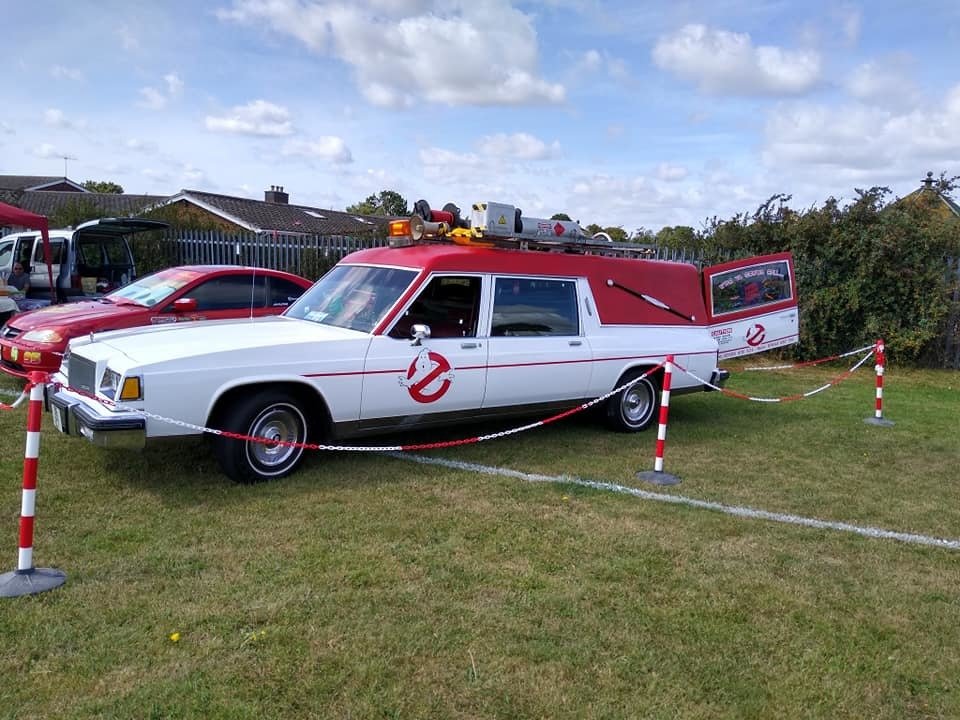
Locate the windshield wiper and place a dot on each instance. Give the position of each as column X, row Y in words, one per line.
column 651, row 300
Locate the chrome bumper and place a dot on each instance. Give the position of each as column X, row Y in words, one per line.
column 86, row 418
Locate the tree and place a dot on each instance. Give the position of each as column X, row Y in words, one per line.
column 561, row 216
column 103, row 186
column 387, row 203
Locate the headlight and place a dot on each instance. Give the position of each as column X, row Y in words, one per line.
column 116, row 387
column 46, row 335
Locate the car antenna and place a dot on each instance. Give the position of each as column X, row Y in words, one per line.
column 253, row 289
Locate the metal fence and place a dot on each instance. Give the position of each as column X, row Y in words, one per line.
column 301, row 254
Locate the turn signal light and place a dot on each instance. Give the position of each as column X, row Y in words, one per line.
column 130, row 389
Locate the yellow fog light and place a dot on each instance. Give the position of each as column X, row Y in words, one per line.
column 130, row 389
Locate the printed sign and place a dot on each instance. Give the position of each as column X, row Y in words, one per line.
column 750, row 287
column 428, row 378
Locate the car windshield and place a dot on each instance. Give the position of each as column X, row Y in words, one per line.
column 154, row 288
column 352, row 296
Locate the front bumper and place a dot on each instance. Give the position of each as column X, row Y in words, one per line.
column 77, row 415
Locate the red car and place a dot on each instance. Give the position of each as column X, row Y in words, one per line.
column 36, row 340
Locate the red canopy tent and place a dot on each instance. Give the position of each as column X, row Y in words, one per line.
column 10, row 215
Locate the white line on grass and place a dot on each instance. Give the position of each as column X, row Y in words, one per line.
column 735, row 510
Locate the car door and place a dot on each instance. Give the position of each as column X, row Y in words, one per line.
column 405, row 381
column 752, row 304
column 537, row 352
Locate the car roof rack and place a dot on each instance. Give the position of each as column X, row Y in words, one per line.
column 502, row 225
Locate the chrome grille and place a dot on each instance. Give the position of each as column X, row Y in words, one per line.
column 82, row 373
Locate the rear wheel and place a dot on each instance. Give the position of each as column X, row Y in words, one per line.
column 271, row 414
column 634, row 408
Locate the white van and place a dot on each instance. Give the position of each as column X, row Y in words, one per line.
column 92, row 259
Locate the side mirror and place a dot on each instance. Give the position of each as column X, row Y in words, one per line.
column 419, row 333
column 185, row 305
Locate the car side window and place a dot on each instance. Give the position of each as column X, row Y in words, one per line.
column 230, row 293
column 283, row 292
column 449, row 304
column 534, row 306
column 56, row 252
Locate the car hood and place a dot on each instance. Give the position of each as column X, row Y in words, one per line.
column 71, row 315
column 171, row 343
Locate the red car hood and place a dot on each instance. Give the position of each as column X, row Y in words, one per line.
column 73, row 315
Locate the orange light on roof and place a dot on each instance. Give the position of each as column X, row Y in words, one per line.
column 399, row 228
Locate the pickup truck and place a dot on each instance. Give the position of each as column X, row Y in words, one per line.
column 424, row 335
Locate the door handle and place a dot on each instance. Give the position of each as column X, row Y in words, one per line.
column 576, row 343
column 469, row 345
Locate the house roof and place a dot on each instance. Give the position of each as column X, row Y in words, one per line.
column 36, row 182
column 47, row 202
column 262, row 216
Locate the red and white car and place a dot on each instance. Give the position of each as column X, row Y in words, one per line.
column 427, row 335
column 36, row 340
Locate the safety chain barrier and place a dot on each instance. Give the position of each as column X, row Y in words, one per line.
column 740, row 396
column 16, row 403
column 368, row 448
column 809, row 363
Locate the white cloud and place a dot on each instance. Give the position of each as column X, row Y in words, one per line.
column 64, row 73
column 594, row 61
column 671, row 173
column 328, row 148
column 128, row 41
column 6, row 129
column 860, row 141
column 453, row 52
column 519, row 146
column 724, row 62
column 54, row 117
column 46, row 151
column 154, row 99
column 141, row 146
column 885, row 83
column 258, row 117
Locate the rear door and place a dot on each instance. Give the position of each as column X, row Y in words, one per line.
column 752, row 304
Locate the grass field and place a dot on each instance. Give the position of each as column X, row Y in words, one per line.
column 367, row 586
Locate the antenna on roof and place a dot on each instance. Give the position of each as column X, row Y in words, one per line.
column 65, row 158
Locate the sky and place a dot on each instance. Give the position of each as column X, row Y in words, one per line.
column 630, row 113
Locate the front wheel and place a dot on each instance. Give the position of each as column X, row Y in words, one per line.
column 270, row 414
column 633, row 409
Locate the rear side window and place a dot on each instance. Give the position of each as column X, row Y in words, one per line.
column 230, row 293
column 528, row 306
column 751, row 286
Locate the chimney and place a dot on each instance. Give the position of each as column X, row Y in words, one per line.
column 276, row 195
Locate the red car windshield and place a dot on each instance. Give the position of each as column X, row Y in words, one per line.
column 153, row 289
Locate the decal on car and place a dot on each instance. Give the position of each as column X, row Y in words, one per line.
column 428, row 378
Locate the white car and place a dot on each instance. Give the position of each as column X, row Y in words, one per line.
column 424, row 335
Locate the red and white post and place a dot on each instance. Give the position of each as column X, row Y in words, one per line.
column 26, row 579
column 879, row 351
column 658, row 476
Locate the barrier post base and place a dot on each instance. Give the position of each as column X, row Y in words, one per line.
column 882, row 422
column 30, row 582
column 658, row 477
